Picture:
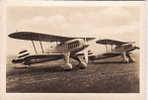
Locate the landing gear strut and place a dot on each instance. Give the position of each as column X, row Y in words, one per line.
column 127, row 58
column 131, row 59
column 68, row 65
column 82, row 63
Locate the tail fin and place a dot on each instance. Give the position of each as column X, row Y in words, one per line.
column 20, row 57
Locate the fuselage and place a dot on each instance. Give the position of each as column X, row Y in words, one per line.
column 124, row 48
column 116, row 51
column 72, row 46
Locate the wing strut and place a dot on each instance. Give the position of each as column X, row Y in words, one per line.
column 111, row 47
column 34, row 47
column 41, row 47
column 106, row 48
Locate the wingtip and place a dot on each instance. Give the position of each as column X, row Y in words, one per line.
column 11, row 35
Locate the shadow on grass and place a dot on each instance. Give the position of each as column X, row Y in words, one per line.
column 38, row 69
column 111, row 62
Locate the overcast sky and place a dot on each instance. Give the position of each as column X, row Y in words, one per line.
column 111, row 22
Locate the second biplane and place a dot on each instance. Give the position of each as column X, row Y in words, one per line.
column 116, row 48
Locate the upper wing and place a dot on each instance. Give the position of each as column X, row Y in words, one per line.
column 43, row 37
column 110, row 42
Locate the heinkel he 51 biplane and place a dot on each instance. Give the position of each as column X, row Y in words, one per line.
column 116, row 48
column 67, row 47
column 70, row 47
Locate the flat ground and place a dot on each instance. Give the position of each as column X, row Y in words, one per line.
column 106, row 76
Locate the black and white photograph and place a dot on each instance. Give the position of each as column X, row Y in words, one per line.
column 87, row 0
column 74, row 49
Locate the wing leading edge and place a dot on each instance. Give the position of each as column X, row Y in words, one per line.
column 110, row 42
column 43, row 37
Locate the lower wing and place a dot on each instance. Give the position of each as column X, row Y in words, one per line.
column 103, row 56
column 33, row 59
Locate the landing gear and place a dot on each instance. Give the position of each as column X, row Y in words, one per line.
column 131, row 59
column 68, row 65
column 127, row 58
column 83, row 65
column 82, row 62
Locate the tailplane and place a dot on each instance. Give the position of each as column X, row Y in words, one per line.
column 21, row 56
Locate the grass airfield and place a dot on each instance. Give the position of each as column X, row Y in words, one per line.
column 102, row 76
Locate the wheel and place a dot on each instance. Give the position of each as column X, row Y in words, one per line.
column 83, row 65
column 68, row 66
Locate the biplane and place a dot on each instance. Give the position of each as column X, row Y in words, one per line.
column 66, row 48
column 70, row 47
column 116, row 48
